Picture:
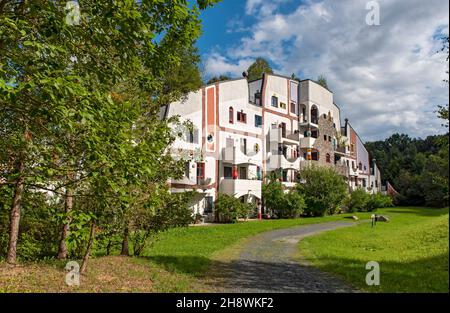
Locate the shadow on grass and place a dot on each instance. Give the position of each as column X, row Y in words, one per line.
column 333, row 275
column 252, row 276
column 428, row 274
column 429, row 212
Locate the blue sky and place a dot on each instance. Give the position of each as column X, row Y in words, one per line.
column 385, row 78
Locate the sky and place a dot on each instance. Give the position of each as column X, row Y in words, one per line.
column 386, row 78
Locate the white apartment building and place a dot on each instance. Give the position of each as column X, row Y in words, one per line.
column 244, row 130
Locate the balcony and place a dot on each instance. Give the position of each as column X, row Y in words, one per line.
column 203, row 181
column 307, row 142
column 339, row 150
column 289, row 184
column 280, row 161
column 342, row 169
column 313, row 124
column 279, row 135
column 235, row 155
column 241, row 187
column 353, row 171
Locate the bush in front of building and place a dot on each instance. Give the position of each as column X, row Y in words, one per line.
column 378, row 201
column 323, row 189
column 361, row 201
column 282, row 204
column 229, row 209
column 358, row 201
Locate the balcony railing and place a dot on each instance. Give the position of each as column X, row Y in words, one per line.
column 279, row 134
column 235, row 155
column 307, row 142
column 340, row 149
column 241, row 187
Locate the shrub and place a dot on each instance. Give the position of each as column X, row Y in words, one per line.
column 379, row 200
column 282, row 204
column 229, row 209
column 295, row 205
column 324, row 190
column 273, row 194
column 359, row 199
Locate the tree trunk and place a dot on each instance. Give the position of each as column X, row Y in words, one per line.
column 108, row 247
column 68, row 205
column 88, row 249
column 125, row 249
column 15, row 216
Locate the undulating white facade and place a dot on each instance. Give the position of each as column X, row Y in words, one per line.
column 244, row 130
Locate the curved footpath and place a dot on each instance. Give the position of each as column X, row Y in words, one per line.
column 266, row 264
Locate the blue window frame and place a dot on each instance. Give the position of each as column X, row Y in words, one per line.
column 258, row 120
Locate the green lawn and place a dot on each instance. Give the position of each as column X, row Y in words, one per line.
column 412, row 250
column 190, row 250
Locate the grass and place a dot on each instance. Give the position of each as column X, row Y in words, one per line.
column 412, row 250
column 191, row 250
column 106, row 274
column 178, row 262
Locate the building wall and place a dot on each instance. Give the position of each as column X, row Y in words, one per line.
column 221, row 140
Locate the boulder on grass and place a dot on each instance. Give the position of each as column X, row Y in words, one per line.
column 355, row 217
column 382, row 218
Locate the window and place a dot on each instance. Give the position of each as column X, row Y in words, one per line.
column 364, row 183
column 285, row 176
column 293, row 108
column 242, row 117
column 348, row 165
column 258, row 120
column 325, row 116
column 231, row 115
column 190, row 136
column 257, row 98
column 328, row 158
column 187, row 170
column 244, row 145
column 275, row 101
column 242, row 173
column 329, row 138
column 227, row 172
column 325, row 137
column 315, row 156
column 201, row 170
column 209, row 204
column 353, row 164
column 360, row 166
column 315, row 134
column 282, row 105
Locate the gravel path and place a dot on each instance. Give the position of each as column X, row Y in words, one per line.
column 266, row 264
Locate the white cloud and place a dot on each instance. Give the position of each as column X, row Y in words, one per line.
column 217, row 64
column 385, row 78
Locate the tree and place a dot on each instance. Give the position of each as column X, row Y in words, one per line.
column 218, row 79
column 417, row 168
column 258, row 68
column 283, row 204
column 229, row 209
column 295, row 77
column 321, row 80
column 88, row 85
column 324, row 190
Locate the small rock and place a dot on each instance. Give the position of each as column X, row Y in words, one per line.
column 382, row 218
column 355, row 217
